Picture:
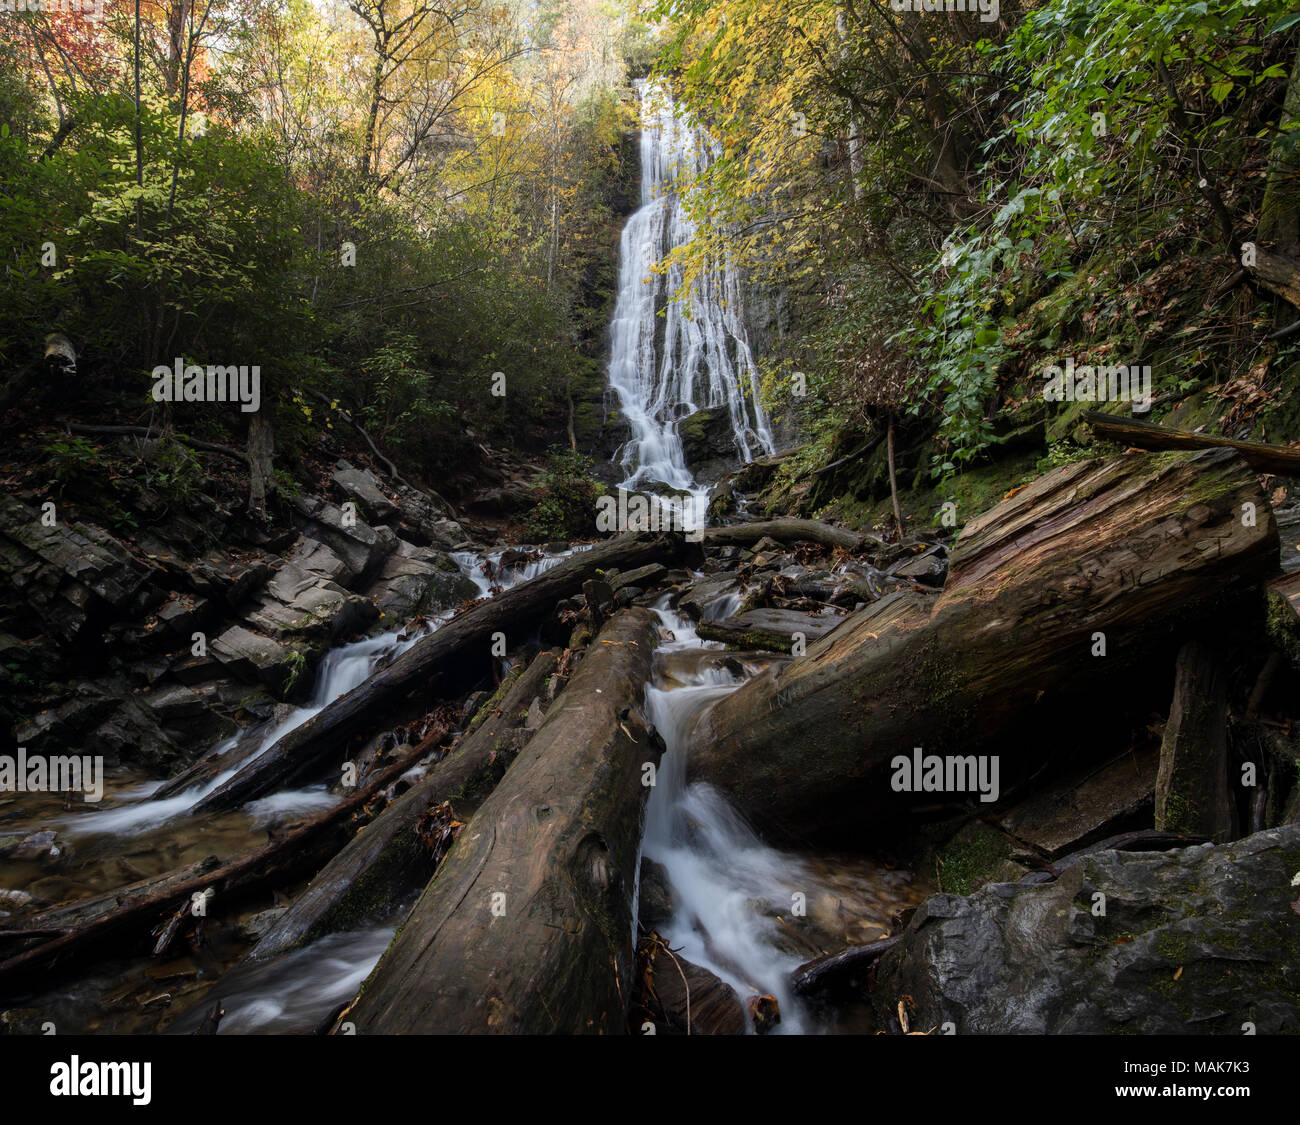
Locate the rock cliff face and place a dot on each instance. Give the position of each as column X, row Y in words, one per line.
column 148, row 650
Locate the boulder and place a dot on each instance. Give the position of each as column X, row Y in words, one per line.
column 1200, row 940
column 417, row 580
column 361, row 547
column 362, row 486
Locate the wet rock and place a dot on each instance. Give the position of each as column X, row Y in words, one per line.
column 690, row 1000
column 708, row 442
column 643, row 576
column 362, row 486
column 556, row 546
column 38, row 845
column 705, row 598
column 1192, row 941
column 416, row 580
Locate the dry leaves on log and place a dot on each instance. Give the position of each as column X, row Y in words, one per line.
column 437, row 830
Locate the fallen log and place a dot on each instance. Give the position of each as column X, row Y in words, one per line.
column 1278, row 274
column 1124, row 552
column 785, row 531
column 767, row 630
column 1147, row 435
column 463, row 641
column 527, row 926
column 378, row 862
column 836, row 972
column 136, row 909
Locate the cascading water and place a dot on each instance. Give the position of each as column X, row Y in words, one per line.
column 701, row 358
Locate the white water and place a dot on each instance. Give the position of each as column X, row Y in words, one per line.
column 701, row 357
column 718, row 869
column 341, row 670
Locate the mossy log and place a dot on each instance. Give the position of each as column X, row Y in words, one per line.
column 463, row 641
column 527, row 926
column 786, row 531
column 1147, row 435
column 767, row 630
column 1132, row 548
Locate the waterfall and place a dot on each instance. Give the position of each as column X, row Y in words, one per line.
column 697, row 355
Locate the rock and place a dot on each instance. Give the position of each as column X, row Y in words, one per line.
column 230, row 580
column 501, row 503
column 361, row 547
column 253, row 657
column 362, row 486
column 690, row 1000
column 556, row 546
column 307, row 611
column 38, row 845
column 423, row 522
column 712, row 597
column 597, row 593
column 708, row 442
column 722, row 501
column 417, row 580
column 24, row 1021
column 255, row 925
column 58, row 574
column 643, row 576
column 182, row 614
column 1083, row 809
column 1193, row 941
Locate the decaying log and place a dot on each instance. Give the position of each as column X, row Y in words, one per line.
column 1192, row 793
column 1134, row 548
column 1278, row 274
column 465, row 640
column 138, row 908
column 527, row 926
column 377, row 864
column 836, row 971
column 785, row 531
column 767, row 630
column 1147, row 435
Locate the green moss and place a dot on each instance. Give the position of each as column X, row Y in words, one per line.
column 971, row 858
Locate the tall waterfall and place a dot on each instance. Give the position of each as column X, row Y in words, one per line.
column 697, row 355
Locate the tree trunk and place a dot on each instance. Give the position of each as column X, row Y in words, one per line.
column 1120, row 552
column 461, row 643
column 261, row 472
column 893, row 481
column 379, row 863
column 785, row 531
column 527, row 927
column 1279, row 216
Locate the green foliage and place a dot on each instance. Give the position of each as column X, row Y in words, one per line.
column 73, row 459
column 566, row 507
